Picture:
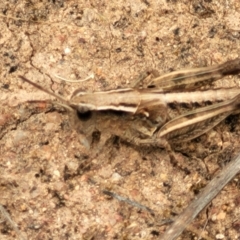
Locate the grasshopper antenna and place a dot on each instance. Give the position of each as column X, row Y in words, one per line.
column 66, row 103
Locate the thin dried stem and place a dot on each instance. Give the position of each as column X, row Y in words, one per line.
column 91, row 76
column 7, row 217
column 203, row 199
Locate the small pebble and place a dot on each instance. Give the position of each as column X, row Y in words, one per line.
column 219, row 236
column 116, row 177
column 67, row 50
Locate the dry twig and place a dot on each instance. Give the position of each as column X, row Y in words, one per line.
column 203, row 199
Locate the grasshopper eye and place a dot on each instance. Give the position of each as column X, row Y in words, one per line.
column 151, row 86
column 84, row 116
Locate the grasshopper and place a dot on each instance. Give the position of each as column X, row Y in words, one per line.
column 143, row 115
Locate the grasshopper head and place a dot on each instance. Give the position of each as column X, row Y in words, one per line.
column 82, row 107
column 82, row 101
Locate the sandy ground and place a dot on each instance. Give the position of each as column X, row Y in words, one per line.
column 52, row 186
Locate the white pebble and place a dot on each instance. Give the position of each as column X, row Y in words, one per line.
column 219, row 236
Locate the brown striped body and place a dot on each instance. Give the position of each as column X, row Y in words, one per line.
column 167, row 107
